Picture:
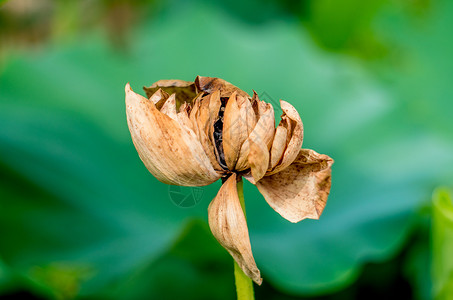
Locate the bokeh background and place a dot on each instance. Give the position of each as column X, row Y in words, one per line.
column 81, row 217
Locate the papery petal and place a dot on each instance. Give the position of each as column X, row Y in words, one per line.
column 159, row 98
column 169, row 151
column 185, row 90
column 247, row 114
column 212, row 125
column 229, row 227
column 235, row 130
column 214, row 107
column 194, row 111
column 183, row 117
column 258, row 159
column 262, row 133
column 208, row 112
column 255, row 98
column 278, row 146
column 169, row 107
column 295, row 135
column 203, row 116
column 211, row 84
column 299, row 191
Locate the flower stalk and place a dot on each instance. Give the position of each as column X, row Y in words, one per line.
column 244, row 285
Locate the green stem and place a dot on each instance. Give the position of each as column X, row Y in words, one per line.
column 244, row 285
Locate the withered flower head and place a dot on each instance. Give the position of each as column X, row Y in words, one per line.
column 194, row 133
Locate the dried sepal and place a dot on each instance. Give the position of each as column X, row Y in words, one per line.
column 299, row 191
column 229, row 227
column 171, row 152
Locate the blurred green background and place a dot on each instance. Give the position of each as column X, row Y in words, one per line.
column 81, row 217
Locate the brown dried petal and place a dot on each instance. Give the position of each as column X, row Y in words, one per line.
column 247, row 114
column 208, row 111
column 214, row 107
column 258, row 159
column 194, row 111
column 211, row 84
column 255, row 99
column 263, row 133
column 229, row 227
column 295, row 136
column 183, row 119
column 203, row 115
column 172, row 153
column 169, row 107
column 278, row 145
column 185, row 90
column 235, row 130
column 159, row 98
column 300, row 191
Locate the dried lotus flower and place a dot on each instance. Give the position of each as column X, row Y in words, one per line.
column 194, row 133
